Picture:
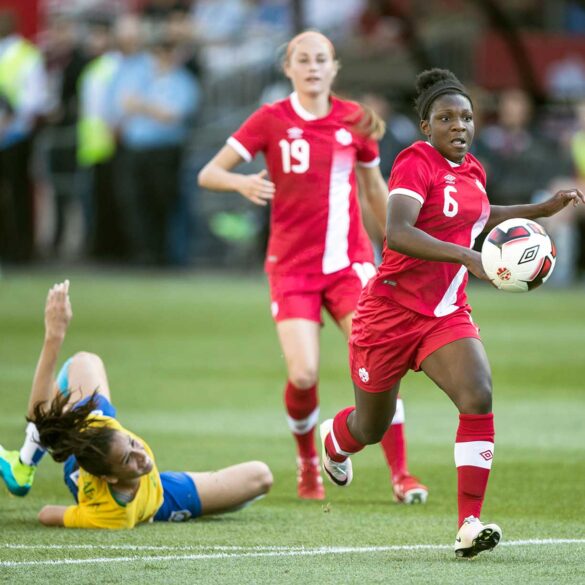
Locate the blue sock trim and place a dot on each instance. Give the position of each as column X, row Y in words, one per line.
column 63, row 378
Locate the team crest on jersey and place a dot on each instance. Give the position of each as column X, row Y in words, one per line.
column 481, row 187
column 343, row 137
column 449, row 179
column 294, row 133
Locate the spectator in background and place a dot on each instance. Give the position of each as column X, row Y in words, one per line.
column 65, row 60
column 564, row 227
column 96, row 142
column 23, row 101
column 518, row 159
column 156, row 99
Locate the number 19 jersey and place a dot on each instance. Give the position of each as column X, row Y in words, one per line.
column 454, row 208
column 315, row 223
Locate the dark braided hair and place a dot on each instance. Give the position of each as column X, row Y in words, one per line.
column 431, row 84
column 70, row 432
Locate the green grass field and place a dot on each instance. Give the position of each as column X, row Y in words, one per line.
column 195, row 369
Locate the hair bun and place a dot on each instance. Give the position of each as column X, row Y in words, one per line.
column 430, row 77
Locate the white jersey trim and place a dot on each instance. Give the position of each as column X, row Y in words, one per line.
column 399, row 414
column 295, row 102
column 239, row 148
column 475, row 454
column 371, row 164
column 408, row 193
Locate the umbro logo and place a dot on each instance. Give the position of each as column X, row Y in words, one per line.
column 487, row 455
column 294, row 133
column 449, row 179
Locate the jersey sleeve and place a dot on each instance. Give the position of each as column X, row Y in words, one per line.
column 251, row 136
column 410, row 176
column 369, row 154
column 84, row 517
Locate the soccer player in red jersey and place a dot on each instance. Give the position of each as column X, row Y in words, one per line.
column 414, row 313
column 317, row 147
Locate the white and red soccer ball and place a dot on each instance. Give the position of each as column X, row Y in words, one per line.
column 518, row 255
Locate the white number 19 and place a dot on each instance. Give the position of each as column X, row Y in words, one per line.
column 297, row 151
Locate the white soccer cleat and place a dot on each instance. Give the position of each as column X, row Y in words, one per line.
column 474, row 537
column 340, row 474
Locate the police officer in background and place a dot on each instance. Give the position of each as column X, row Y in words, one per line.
column 23, row 100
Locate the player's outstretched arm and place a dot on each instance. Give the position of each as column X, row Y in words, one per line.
column 57, row 318
column 402, row 236
column 52, row 515
column 216, row 175
column 373, row 189
column 554, row 204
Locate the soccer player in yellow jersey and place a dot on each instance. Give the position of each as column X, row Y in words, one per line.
column 110, row 471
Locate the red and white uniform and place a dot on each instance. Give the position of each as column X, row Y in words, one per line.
column 455, row 209
column 412, row 307
column 315, row 225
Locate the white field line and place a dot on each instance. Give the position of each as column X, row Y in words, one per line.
column 237, row 552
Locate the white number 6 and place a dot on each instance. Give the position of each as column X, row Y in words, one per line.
column 450, row 207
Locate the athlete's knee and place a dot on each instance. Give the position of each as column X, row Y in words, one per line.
column 478, row 398
column 303, row 377
column 370, row 431
column 260, row 477
column 87, row 357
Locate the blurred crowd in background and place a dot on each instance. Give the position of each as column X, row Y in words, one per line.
column 108, row 108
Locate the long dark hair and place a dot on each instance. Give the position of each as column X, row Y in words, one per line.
column 70, row 432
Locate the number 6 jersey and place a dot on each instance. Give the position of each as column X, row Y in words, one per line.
column 315, row 224
column 454, row 208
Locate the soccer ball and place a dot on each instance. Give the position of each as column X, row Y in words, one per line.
column 518, row 255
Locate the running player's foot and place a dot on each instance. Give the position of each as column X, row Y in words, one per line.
column 409, row 490
column 309, row 481
column 474, row 537
column 17, row 476
column 340, row 473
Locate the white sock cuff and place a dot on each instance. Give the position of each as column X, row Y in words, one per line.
column 303, row 426
column 475, row 454
column 338, row 449
column 399, row 414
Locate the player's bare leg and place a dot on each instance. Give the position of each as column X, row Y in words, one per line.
column 406, row 488
column 232, row 488
column 299, row 340
column 462, row 371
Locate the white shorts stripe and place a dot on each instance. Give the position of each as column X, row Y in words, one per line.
column 239, row 148
column 475, row 454
column 399, row 414
column 303, row 426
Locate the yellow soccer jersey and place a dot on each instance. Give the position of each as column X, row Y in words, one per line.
column 96, row 506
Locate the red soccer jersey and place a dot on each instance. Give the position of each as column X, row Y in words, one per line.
column 454, row 208
column 315, row 222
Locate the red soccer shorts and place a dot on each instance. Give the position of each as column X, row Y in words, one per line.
column 387, row 340
column 302, row 296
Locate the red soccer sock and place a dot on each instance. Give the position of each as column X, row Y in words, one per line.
column 340, row 443
column 302, row 409
column 394, row 444
column 474, row 452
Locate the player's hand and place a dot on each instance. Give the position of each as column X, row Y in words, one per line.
column 474, row 265
column 58, row 311
column 560, row 200
column 257, row 188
